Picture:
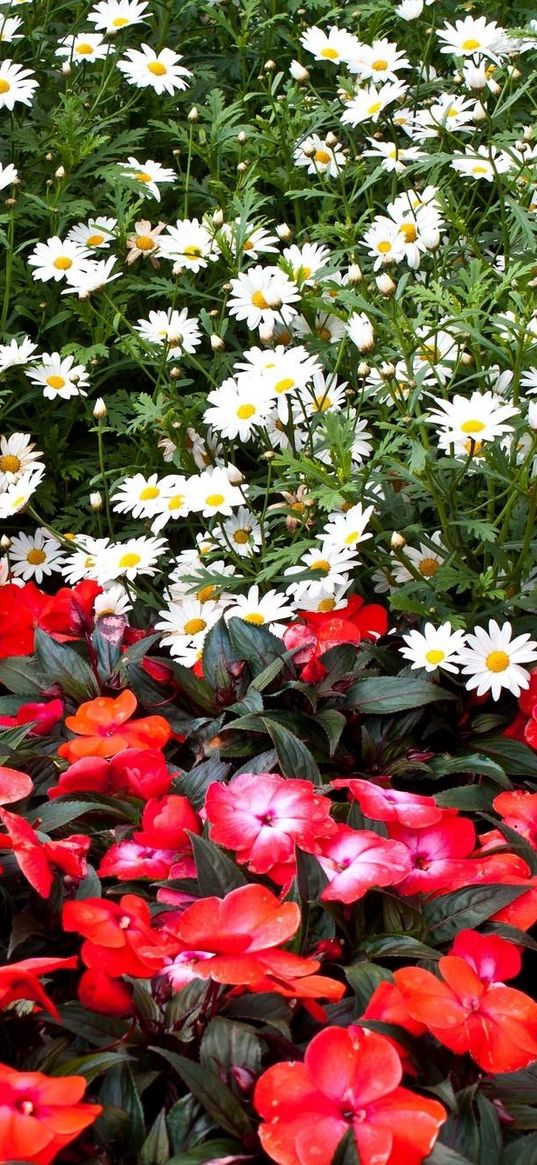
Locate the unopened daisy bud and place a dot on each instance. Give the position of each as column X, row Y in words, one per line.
column 354, row 274
column 514, row 72
column 266, row 332
column 175, row 373
column 385, row 284
column 284, row 232
column 532, row 414
column 177, row 269
column 409, row 9
column 193, row 115
column 99, row 409
column 494, row 87
column 241, row 137
column 528, row 133
column 96, row 500
column 9, row 202
column 235, row 476
column 309, row 151
column 218, row 218
column 331, row 139
column 360, row 330
column 5, row 542
column 363, row 369
column 217, row 343
column 49, row 157
column 397, row 541
column 60, row 172
column 298, row 72
column 387, row 370
column 467, row 359
column 66, row 68
column 480, row 113
column 241, row 167
column 269, row 66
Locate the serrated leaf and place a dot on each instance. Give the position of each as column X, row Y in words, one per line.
column 517, row 759
column 466, row 909
column 61, row 665
column 119, row 1089
column 257, row 645
column 217, row 874
column 443, row 766
column 54, row 814
column 384, row 695
column 93, row 1065
column 332, row 722
column 207, row 1087
column 98, row 1030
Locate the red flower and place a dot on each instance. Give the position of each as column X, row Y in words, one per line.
column 437, row 854
column 14, row 785
column 128, row 860
column 115, row 932
column 358, row 860
column 350, row 624
column 165, row 822
column 100, row 992
column 518, row 810
column 262, row 816
column 491, row 957
column 102, row 725
column 16, row 623
column 138, row 772
column 36, row 858
column 391, row 804
column 44, row 715
column 40, row 1115
column 20, row 981
column 350, row 1079
column 388, row 1005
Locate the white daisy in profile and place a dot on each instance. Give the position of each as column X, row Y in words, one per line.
column 18, row 493
column 59, row 377
column 261, row 610
column 160, row 71
column 325, row 395
column 137, row 556
column 482, row 163
column 16, row 85
column 91, row 276
column 16, row 353
column 306, row 262
column 18, row 455
column 9, row 29
column 113, row 15
column 173, row 329
column 336, row 46
column 189, row 244
column 528, row 380
column 151, row 175
column 493, row 660
column 32, row 556
column 96, row 234
column 480, row 417
column 433, row 648
column 55, row 258
column 83, row 560
column 86, row 46
column 344, row 531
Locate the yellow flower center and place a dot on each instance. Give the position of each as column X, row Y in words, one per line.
column 473, row 447
column 472, row 426
column 435, row 655
column 157, row 68
column 285, row 384
column 352, row 538
column 143, row 176
column 95, row 240
column 428, row 566
column 374, row 108
column 144, row 242
column 35, row 557
column 384, row 247
column 206, row 593
column 55, row 381
column 194, row 626
column 241, row 537
column 258, row 300
column 326, row 605
column 214, row 499
column 379, row 66
column 192, row 252
column 248, row 245
column 256, row 618
column 324, row 333
column 84, row 49
column 120, row 21
column 244, row 412
column 18, row 502
column 321, row 564
column 497, row 661
column 9, row 463
column 128, row 560
column 4, row 85
column 62, row 263
column 303, row 272
column 176, row 502
column 470, row 45
column 321, row 404
column 480, row 169
column 409, row 232
column 329, row 53
column 148, row 493
column 321, row 156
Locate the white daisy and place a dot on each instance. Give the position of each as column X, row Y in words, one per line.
column 161, row 71
column 481, row 417
column 113, row 15
column 261, row 610
column 16, row 353
column 113, row 600
column 18, row 455
column 18, row 493
column 378, row 62
column 263, row 295
column 9, row 29
column 483, row 163
column 56, row 258
column 345, row 531
column 433, row 648
column 149, row 174
column 185, row 624
column 96, row 234
column 306, row 261
column 474, row 36
column 86, row 46
column 174, row 501
column 319, row 157
column 176, row 330
column 139, row 496
column 242, row 531
column 16, row 85
column 492, row 660
column 425, row 558
column 213, row 493
column 34, row 556
column 90, row 277
column 84, row 560
column 59, row 377
column 368, row 104
column 137, row 556
column 189, row 244
column 238, row 407
column 9, row 176
column 332, row 567
column 336, row 46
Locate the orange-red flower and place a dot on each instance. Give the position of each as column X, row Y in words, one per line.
column 350, row 1079
column 20, row 981
column 102, row 726
column 36, row 858
column 13, row 785
column 40, row 1115
column 115, row 933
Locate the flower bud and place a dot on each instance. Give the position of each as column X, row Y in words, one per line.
column 385, row 284
column 66, row 68
column 298, row 71
column 241, row 137
column 96, row 500
column 60, row 172
column 532, row 414
column 284, row 232
column 218, row 217
column 193, row 115
column 241, row 167
column 99, row 409
column 354, row 274
column 360, row 330
column 217, row 343
column 397, row 541
column 269, row 66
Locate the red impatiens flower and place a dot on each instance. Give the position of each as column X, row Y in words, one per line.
column 14, row 785
column 358, row 860
column 116, row 933
column 20, row 981
column 127, row 860
column 103, row 729
column 138, row 772
column 36, row 858
column 319, row 631
column 262, row 816
column 518, row 810
column 166, row 822
column 44, row 715
column 100, row 992
column 16, row 623
column 468, row 1008
column 40, row 1115
column 350, row 1079
column 437, row 855
column 381, row 804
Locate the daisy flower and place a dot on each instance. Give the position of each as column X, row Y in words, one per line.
column 139, row 496
column 360, row 448
column 84, row 560
column 149, row 174
column 326, row 394
column 8, row 176
column 263, row 295
column 484, row 163
column 145, row 243
column 16, row 353
column 18, row 456
column 55, row 258
column 492, row 660
column 344, row 531
column 306, row 261
column 360, row 330
column 137, row 556
column 9, row 29
column 213, row 493
column 384, row 242
column 90, row 277
column 16, row 85
column 242, row 530
column 176, row 330
column 319, row 157
column 112, row 15
column 433, row 648
column 261, row 610
column 327, row 326
column 332, row 566
column 481, row 417
column 18, row 493
column 378, row 62
column 238, row 407
column 189, row 244
column 426, row 560
column 449, row 112
column 59, row 377
column 436, row 356
column 161, row 71
column 528, row 380
column 368, row 104
column 338, row 45
column 185, row 624
column 249, row 240
column 474, row 36
column 86, row 46
column 113, row 600
column 174, row 501
column 95, row 234
column 34, row 556
column 391, row 157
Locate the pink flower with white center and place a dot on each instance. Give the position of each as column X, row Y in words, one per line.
column 263, row 816
column 128, row 860
column 396, row 805
column 358, row 860
column 182, row 969
column 438, row 855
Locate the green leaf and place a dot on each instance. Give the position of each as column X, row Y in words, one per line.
column 311, row 878
column 442, row 1155
column 227, row 1043
column 209, row 1151
column 471, row 798
column 295, row 760
column 119, row 1089
column 257, row 645
column 198, row 692
column 54, row 814
column 398, row 946
column 332, row 722
column 364, row 978
column 384, row 695
column 517, row 759
column 62, row 665
column 11, row 739
column 443, row 766
column 347, row 1151
column 98, row 1030
column 217, row 654
column 522, row 1152
column 217, row 874
column 20, row 675
column 156, row 1147
column 93, row 1065
column 217, row 1100
column 466, row 909
column 195, row 783
column 490, row 1133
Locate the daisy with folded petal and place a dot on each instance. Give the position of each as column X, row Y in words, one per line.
column 338, row 46
column 378, row 62
column 484, row 163
column 149, row 174
column 173, row 329
column 189, row 244
column 18, row 455
column 263, row 295
column 16, row 353
column 34, row 556
column 392, row 157
column 91, row 276
column 261, row 610
column 474, row 37
column 86, row 46
column 18, row 493
column 113, row 15
column 213, row 493
column 55, row 258
column 16, row 85
column 96, row 234
column 433, row 648
column 481, row 417
column 238, row 407
column 137, row 556
column 160, row 71
column 145, row 242
column 319, row 157
column 368, row 104
column 343, row 532
column 59, row 377
column 493, row 660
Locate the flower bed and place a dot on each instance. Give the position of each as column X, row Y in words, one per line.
column 268, row 718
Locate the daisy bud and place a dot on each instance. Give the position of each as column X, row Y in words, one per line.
column 96, row 500
column 467, row 359
column 266, row 332
column 397, row 541
column 284, row 232
column 177, row 269
column 409, row 9
column 480, row 112
column 193, row 115
column 494, row 87
column 475, row 76
column 515, row 73
column 354, row 274
column 217, row 343
column 60, row 172
column 528, row 133
column 66, row 68
column 363, row 369
column 360, row 331
column 218, row 218
column 9, row 202
column 532, row 414
column 309, row 151
column 385, row 284
column 49, row 157
column 99, row 409
column 241, row 167
column 331, row 139
column 298, row 72
column 241, row 137
column 269, row 66
column 5, row 542
column 387, row 370
column 175, row 373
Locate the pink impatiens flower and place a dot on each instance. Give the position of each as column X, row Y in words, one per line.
column 391, row 804
column 359, row 860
